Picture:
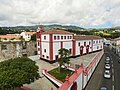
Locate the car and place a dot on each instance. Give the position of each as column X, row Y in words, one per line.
column 107, row 66
column 107, row 74
column 107, row 62
column 119, row 61
column 103, row 88
column 107, row 58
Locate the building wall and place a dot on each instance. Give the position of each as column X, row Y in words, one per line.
column 97, row 45
column 15, row 49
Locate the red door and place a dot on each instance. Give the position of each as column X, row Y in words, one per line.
column 81, row 50
column 74, row 86
column 87, row 49
column 56, row 57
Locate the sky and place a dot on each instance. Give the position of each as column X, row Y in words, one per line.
column 84, row 13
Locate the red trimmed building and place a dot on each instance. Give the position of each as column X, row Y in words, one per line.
column 49, row 42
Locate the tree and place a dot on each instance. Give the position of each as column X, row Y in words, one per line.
column 63, row 59
column 16, row 72
column 33, row 37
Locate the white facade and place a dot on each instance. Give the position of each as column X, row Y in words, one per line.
column 51, row 41
column 27, row 35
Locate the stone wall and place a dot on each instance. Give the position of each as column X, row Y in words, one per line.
column 17, row 49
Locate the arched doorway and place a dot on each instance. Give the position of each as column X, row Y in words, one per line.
column 74, row 86
column 81, row 50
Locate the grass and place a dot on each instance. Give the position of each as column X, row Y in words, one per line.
column 60, row 75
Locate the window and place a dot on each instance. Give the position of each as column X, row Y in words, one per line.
column 70, row 50
column 47, row 57
column 101, row 46
column 38, row 43
column 54, row 37
column 3, row 47
column 44, row 37
column 89, row 43
column 97, row 47
column 58, row 37
column 38, row 49
column 84, row 43
column 96, row 41
column 61, row 37
column 68, row 37
column 35, row 45
column 99, row 41
column 79, row 44
column 44, row 50
column 43, row 55
column 64, row 37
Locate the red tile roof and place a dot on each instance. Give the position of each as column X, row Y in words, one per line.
column 57, row 32
column 118, row 45
column 88, row 37
column 30, row 32
column 116, row 39
column 10, row 36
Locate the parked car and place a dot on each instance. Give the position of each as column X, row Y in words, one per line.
column 107, row 62
column 107, row 66
column 107, row 74
column 107, row 58
column 103, row 88
column 119, row 61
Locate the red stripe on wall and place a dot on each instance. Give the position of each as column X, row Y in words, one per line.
column 61, row 44
column 40, row 46
column 73, row 47
column 51, row 47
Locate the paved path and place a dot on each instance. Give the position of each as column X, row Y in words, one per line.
column 85, row 59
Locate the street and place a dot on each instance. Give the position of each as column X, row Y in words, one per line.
column 97, row 80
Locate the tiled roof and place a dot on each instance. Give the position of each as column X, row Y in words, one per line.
column 116, row 39
column 88, row 37
column 30, row 32
column 57, row 32
column 10, row 36
column 118, row 45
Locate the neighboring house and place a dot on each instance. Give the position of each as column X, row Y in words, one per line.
column 10, row 38
column 17, row 49
column 27, row 35
column 116, row 45
column 49, row 42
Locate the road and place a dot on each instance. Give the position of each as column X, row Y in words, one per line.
column 97, row 80
column 114, row 82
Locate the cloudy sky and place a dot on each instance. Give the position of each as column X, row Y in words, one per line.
column 85, row 13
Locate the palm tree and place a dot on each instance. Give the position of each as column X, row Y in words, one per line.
column 63, row 59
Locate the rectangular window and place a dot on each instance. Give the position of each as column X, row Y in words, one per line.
column 54, row 37
column 43, row 55
column 61, row 37
column 44, row 50
column 68, row 37
column 58, row 37
column 99, row 41
column 44, row 37
column 38, row 44
column 47, row 57
column 79, row 44
column 96, row 41
column 89, row 43
column 84, row 43
column 64, row 37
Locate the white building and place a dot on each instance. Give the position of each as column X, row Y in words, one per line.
column 116, row 43
column 51, row 41
column 27, row 35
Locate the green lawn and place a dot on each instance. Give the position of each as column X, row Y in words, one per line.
column 60, row 75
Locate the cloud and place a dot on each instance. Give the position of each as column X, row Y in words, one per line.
column 79, row 12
